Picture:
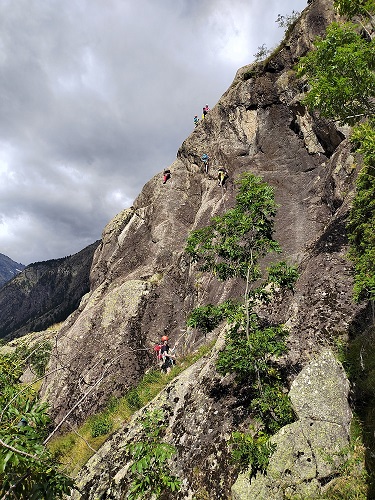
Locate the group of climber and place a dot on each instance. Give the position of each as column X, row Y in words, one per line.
column 222, row 174
column 206, row 109
column 164, row 355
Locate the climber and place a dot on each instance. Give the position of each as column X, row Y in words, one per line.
column 205, row 159
column 168, row 360
column 222, row 176
column 196, row 120
column 164, row 344
column 166, row 175
column 206, row 109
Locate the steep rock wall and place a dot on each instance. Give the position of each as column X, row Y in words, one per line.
column 142, row 285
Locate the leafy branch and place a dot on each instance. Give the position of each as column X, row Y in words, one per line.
column 150, row 476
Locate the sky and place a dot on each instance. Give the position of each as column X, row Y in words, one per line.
column 96, row 97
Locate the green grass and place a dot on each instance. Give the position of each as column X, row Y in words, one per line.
column 352, row 481
column 74, row 448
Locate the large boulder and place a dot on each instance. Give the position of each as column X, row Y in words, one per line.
column 310, row 450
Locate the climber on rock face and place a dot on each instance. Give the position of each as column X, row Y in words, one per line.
column 196, row 120
column 205, row 159
column 166, row 175
column 222, row 176
column 168, row 359
column 206, row 109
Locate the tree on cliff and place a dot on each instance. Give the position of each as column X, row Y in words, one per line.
column 232, row 246
column 351, row 8
column 341, row 76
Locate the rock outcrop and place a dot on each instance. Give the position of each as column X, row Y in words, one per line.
column 308, row 451
column 143, row 286
column 203, row 409
column 44, row 293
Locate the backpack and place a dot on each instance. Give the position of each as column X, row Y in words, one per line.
column 157, row 350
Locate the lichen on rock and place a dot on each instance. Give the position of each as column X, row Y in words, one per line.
column 308, row 451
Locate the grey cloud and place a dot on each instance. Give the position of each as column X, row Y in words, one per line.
column 96, row 97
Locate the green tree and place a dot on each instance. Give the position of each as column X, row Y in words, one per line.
column 288, row 20
column 232, row 246
column 340, row 73
column 27, row 469
column 361, row 222
column 262, row 52
column 350, row 8
column 341, row 76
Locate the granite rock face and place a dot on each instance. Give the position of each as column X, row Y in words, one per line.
column 143, row 286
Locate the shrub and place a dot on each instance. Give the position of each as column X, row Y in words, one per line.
column 133, row 399
column 150, row 473
column 252, row 450
column 101, row 425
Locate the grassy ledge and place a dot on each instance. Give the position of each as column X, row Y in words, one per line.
column 76, row 447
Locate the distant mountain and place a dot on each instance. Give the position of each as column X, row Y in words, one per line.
column 8, row 269
column 44, row 293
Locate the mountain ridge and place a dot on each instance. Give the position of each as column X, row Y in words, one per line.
column 8, row 269
column 44, row 293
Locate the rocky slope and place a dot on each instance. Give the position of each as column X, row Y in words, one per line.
column 143, row 286
column 202, row 410
column 8, row 269
column 44, row 293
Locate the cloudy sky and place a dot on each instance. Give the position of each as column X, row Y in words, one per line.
column 96, row 96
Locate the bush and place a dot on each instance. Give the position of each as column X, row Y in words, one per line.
column 252, row 450
column 133, row 399
column 150, row 473
column 101, row 425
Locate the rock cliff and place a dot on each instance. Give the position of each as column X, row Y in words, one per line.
column 143, row 286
